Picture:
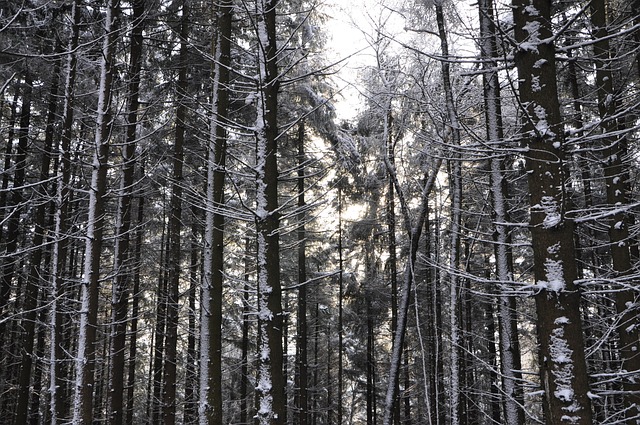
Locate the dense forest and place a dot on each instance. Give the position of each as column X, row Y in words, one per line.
column 192, row 232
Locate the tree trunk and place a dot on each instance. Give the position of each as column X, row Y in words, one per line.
column 302, row 404
column 35, row 278
column 210, row 406
column 340, row 307
column 135, row 311
column 392, row 261
column 191, row 359
column 616, row 173
column 244, row 348
column 84, row 362
column 123, row 269
column 57, row 380
column 174, row 253
column 563, row 372
column 510, row 348
column 270, row 391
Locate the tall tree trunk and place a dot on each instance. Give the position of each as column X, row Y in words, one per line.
column 10, row 256
column 154, row 391
column 392, row 261
column 190, row 413
column 413, row 229
column 455, row 187
column 84, row 362
column 510, row 364
column 210, row 406
column 616, row 175
column 123, row 268
column 135, row 311
column 340, row 307
column 302, row 403
column 35, row 278
column 563, row 373
column 174, row 253
column 244, row 348
column 270, row 391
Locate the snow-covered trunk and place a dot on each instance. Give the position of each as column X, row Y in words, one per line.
column 452, row 132
column 563, row 373
column 616, row 173
column 59, row 248
column 270, row 394
column 509, row 346
column 210, row 404
column 122, row 267
column 391, row 230
column 174, row 247
column 84, row 361
column 246, row 323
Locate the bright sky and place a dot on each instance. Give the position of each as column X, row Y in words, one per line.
column 350, row 30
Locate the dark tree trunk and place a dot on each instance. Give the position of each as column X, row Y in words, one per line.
column 174, row 253
column 135, row 312
column 35, row 278
column 122, row 266
column 563, row 372
column 616, row 173
column 211, row 310
column 270, row 388
column 302, row 404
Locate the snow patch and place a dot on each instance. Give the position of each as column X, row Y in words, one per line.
column 531, row 10
column 555, row 277
column 550, row 208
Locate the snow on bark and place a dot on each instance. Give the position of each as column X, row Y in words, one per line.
column 207, row 273
column 83, row 385
column 58, row 249
column 563, row 371
column 270, row 399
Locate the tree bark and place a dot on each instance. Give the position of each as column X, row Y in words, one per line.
column 563, row 373
column 302, row 403
column 174, row 253
column 210, row 406
column 616, row 173
column 35, row 278
column 84, row 362
column 123, row 269
column 510, row 364
column 270, row 391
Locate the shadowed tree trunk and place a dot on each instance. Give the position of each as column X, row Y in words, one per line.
column 174, row 251
column 86, row 353
column 35, row 277
column 122, row 265
column 135, row 311
column 57, row 380
column 270, row 385
column 210, row 406
column 563, row 372
column 302, row 404
column 510, row 364
column 616, row 173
